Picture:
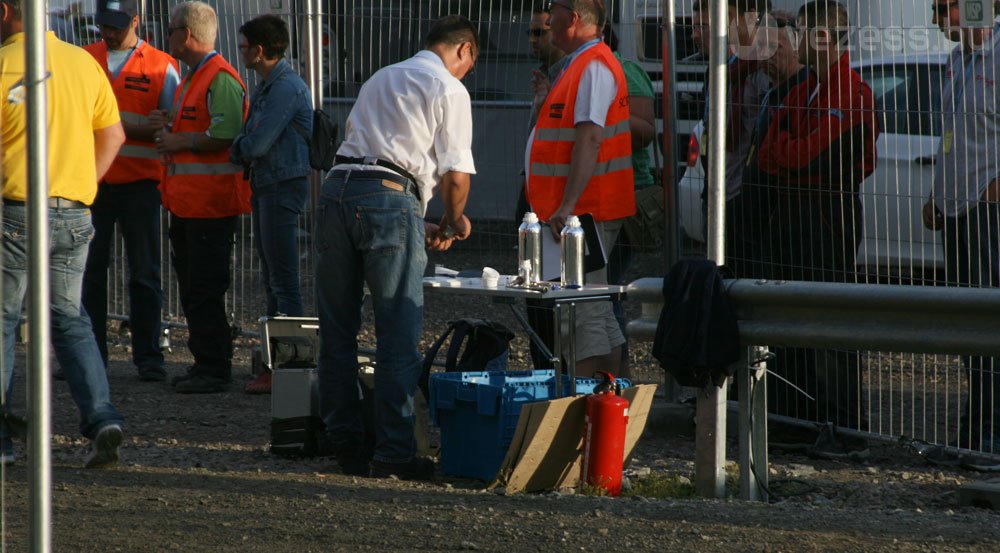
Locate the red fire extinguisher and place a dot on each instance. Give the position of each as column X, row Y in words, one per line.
column 604, row 436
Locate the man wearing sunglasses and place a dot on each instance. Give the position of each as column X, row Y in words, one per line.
column 583, row 119
column 964, row 199
column 203, row 191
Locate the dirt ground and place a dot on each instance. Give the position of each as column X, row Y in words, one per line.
column 196, row 475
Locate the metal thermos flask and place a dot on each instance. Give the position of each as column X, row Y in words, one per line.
column 571, row 249
column 529, row 246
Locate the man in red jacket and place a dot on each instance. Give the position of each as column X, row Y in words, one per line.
column 144, row 79
column 818, row 149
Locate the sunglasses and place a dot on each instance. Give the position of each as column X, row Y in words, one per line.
column 537, row 33
column 561, row 5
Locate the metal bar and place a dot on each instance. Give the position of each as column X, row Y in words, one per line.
column 39, row 538
column 710, row 441
column 557, row 343
column 753, row 426
column 532, row 335
column 710, row 438
column 672, row 232
column 571, row 356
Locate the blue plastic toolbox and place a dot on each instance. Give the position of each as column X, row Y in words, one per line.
column 478, row 411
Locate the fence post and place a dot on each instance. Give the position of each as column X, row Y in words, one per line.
column 753, row 425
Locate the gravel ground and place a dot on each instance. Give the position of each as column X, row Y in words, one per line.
column 196, row 475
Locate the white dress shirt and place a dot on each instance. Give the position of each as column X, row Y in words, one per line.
column 417, row 115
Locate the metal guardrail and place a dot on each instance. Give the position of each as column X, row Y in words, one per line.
column 924, row 319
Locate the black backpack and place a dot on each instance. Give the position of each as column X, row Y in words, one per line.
column 323, row 142
column 476, row 345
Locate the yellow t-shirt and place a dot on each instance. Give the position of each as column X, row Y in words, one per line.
column 80, row 101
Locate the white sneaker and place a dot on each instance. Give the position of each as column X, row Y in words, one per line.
column 104, row 448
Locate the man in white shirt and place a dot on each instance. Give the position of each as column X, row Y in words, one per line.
column 409, row 132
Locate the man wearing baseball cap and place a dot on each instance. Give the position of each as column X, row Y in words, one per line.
column 144, row 79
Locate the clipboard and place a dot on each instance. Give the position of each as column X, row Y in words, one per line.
column 595, row 257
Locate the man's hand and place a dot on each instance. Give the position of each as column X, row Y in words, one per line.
column 933, row 219
column 169, row 142
column 160, row 118
column 459, row 230
column 558, row 220
column 432, row 240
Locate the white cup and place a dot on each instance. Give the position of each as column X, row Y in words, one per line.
column 491, row 277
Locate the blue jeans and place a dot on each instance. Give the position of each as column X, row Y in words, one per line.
column 136, row 208
column 366, row 233
column 70, row 232
column 276, row 209
column 972, row 258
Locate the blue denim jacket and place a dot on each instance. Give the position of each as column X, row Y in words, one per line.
column 269, row 142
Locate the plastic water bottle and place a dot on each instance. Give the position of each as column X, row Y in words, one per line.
column 529, row 236
column 571, row 250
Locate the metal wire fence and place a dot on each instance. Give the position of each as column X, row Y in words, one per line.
column 820, row 218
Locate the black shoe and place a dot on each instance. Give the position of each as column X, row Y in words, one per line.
column 59, row 374
column 180, row 378
column 834, row 445
column 152, row 373
column 202, row 384
column 355, row 461
column 418, row 468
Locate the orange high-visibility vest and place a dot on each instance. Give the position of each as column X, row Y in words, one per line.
column 137, row 89
column 610, row 193
column 203, row 185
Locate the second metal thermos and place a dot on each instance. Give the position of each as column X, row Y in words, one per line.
column 571, row 250
column 529, row 246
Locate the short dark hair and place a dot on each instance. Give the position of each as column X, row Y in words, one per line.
column 268, row 31
column 540, row 7
column 744, row 6
column 826, row 13
column 699, row 6
column 452, row 30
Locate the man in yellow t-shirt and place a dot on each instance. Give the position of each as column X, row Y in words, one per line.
column 84, row 134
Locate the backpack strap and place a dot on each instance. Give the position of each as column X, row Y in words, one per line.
column 462, row 332
column 425, row 371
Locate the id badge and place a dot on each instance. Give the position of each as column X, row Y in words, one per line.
column 946, row 141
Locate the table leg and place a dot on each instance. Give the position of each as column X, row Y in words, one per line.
column 571, row 353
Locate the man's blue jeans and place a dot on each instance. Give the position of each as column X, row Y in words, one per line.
column 367, row 233
column 70, row 232
column 276, row 209
column 136, row 208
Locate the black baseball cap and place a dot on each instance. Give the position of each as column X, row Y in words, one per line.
column 116, row 13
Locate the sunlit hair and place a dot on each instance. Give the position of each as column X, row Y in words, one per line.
column 199, row 18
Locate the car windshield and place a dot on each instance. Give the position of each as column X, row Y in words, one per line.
column 908, row 97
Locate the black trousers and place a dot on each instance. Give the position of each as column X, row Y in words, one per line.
column 815, row 237
column 201, row 254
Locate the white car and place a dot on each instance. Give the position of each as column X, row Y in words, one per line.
column 907, row 90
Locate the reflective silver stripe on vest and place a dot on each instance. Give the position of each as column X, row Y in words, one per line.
column 562, row 169
column 204, row 169
column 569, row 135
column 131, row 150
column 134, row 118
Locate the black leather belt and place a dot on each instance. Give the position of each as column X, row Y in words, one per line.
column 405, row 184
column 54, row 203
